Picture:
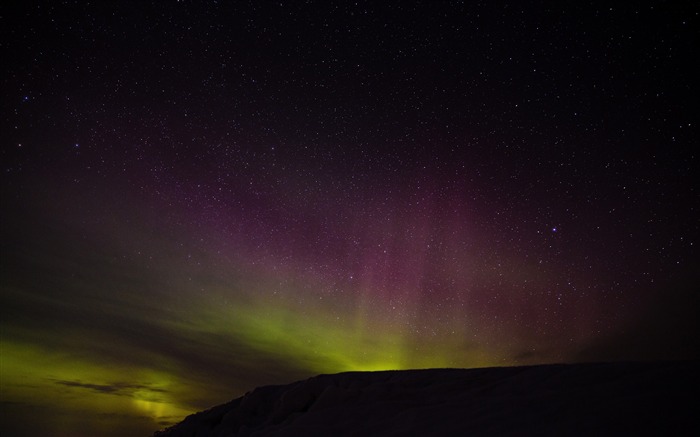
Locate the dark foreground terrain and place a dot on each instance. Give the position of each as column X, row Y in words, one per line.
column 656, row 398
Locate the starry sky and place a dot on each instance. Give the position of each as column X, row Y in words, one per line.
column 201, row 197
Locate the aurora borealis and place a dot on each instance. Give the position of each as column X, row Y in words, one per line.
column 199, row 198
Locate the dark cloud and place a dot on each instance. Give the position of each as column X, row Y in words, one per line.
column 119, row 388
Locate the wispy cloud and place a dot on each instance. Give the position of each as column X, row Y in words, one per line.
column 116, row 388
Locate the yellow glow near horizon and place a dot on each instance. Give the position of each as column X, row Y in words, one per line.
column 106, row 375
column 310, row 336
column 36, row 375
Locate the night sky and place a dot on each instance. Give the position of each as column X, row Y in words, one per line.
column 202, row 197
